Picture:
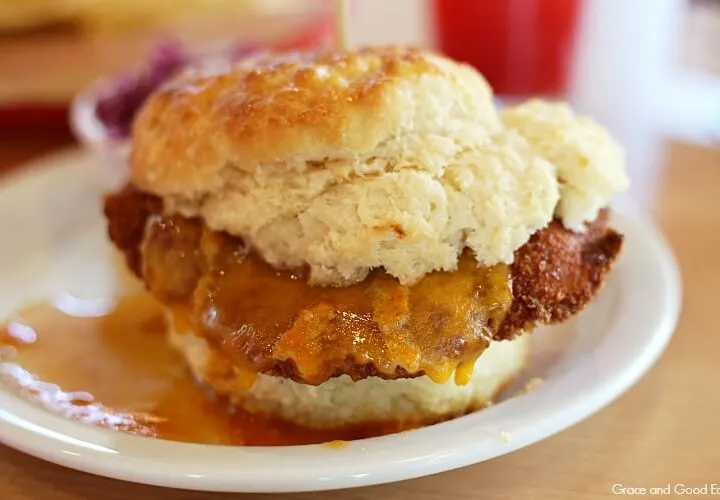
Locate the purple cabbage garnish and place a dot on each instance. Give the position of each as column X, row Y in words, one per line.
column 123, row 98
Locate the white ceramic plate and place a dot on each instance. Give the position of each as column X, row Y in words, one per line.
column 53, row 238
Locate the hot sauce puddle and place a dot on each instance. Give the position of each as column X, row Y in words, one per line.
column 107, row 364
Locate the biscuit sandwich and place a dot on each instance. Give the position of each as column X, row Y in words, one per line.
column 342, row 238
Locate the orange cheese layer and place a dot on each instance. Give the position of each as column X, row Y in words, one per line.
column 272, row 321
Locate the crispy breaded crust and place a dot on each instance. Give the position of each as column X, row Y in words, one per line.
column 558, row 272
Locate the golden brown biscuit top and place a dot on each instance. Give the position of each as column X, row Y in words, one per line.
column 221, row 117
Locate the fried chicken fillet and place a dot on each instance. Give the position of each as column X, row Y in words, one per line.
column 553, row 276
column 341, row 238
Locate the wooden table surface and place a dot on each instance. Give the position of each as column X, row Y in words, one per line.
column 664, row 430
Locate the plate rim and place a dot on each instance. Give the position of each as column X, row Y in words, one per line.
column 413, row 454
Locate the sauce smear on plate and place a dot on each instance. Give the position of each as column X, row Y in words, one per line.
column 107, row 363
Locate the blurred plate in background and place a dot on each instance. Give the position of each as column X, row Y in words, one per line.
column 49, row 54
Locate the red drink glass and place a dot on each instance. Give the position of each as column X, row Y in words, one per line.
column 522, row 47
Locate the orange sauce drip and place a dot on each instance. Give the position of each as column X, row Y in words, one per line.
column 261, row 316
column 107, row 363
